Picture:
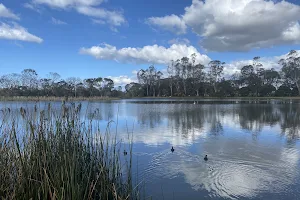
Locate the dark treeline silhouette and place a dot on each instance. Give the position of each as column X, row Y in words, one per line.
column 185, row 77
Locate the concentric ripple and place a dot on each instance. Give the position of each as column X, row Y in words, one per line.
column 225, row 176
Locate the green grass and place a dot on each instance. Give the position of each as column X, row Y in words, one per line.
column 55, row 155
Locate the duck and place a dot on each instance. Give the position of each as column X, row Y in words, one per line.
column 205, row 158
column 172, row 149
column 125, row 152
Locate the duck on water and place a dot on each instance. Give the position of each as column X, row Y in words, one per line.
column 172, row 149
column 205, row 158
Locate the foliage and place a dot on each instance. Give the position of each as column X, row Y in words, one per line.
column 29, row 84
column 185, row 77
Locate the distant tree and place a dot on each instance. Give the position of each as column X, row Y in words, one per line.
column 171, row 75
column 215, row 72
column 73, row 82
column 54, row 78
column 291, row 68
column 134, row 89
column 29, row 78
column 143, row 77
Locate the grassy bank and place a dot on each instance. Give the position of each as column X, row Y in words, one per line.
column 55, row 155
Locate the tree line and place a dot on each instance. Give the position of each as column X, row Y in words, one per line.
column 185, row 77
column 28, row 83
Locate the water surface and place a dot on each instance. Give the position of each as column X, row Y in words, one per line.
column 253, row 146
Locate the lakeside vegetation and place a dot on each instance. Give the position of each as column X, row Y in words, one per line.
column 183, row 78
column 46, row 154
column 53, row 98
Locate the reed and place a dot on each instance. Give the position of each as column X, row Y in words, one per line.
column 57, row 155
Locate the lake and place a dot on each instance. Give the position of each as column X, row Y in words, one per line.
column 253, row 146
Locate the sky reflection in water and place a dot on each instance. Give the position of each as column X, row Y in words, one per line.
column 253, row 148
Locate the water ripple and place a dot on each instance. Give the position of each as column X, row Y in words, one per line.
column 225, row 176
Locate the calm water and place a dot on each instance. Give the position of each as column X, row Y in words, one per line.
column 253, row 146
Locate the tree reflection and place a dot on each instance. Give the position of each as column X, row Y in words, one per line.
column 186, row 118
column 289, row 122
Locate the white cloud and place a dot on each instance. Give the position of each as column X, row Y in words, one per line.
column 267, row 62
column 122, row 80
column 68, row 3
column 161, row 55
column 17, row 32
column 98, row 21
column 111, row 17
column 57, row 21
column 33, row 7
column 171, row 23
column 6, row 13
column 240, row 25
column 179, row 41
column 29, row 6
column 89, row 8
column 134, row 72
column 148, row 54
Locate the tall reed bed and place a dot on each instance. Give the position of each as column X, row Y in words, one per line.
column 50, row 154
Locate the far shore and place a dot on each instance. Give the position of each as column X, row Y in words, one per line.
column 44, row 98
column 52, row 98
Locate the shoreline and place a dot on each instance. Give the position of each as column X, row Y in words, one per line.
column 43, row 98
column 221, row 98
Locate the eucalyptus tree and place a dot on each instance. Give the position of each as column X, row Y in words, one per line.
column 259, row 75
column 29, row 78
column 107, row 86
column 272, row 77
column 158, row 75
column 177, row 77
column 197, row 74
column 291, row 68
column 54, row 78
column 45, row 85
column 143, row 78
column 171, row 76
column 134, row 89
column 73, row 83
column 185, row 72
column 216, row 68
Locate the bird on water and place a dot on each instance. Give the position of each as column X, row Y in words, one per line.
column 205, row 158
column 172, row 149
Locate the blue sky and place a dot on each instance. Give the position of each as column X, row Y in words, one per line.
column 91, row 38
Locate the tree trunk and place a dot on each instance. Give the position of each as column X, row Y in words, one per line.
column 171, row 89
column 215, row 87
column 184, row 87
column 147, row 90
column 297, row 84
column 197, row 91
